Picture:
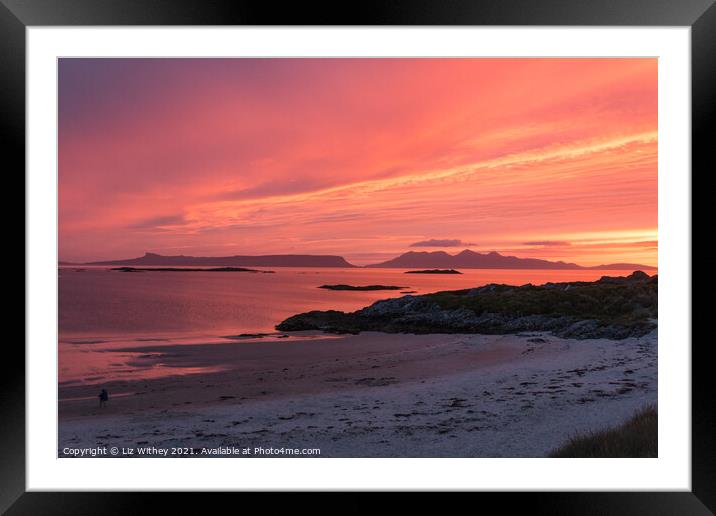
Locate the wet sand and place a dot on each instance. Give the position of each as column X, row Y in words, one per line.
column 369, row 395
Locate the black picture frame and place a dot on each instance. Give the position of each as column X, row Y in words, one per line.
column 700, row 15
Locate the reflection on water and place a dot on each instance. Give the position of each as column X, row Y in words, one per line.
column 101, row 310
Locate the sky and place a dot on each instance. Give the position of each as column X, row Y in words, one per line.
column 363, row 158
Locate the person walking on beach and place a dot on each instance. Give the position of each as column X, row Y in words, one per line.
column 103, row 397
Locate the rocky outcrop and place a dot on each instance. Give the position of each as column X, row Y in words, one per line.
column 614, row 308
column 434, row 271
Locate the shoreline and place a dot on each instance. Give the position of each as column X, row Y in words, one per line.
column 373, row 395
column 262, row 370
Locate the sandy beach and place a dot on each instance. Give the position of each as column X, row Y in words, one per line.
column 369, row 395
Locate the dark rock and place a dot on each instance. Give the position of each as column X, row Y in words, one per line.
column 434, row 271
column 366, row 287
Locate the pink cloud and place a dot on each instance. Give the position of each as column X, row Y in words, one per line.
column 351, row 155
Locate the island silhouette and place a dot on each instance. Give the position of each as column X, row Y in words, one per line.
column 466, row 259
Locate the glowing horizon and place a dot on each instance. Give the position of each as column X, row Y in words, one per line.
column 363, row 158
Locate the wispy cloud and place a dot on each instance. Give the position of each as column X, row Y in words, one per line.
column 437, row 242
column 549, row 243
column 160, row 222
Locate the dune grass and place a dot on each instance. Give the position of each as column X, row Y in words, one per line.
column 637, row 437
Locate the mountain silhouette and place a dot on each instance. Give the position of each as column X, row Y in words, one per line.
column 277, row 260
column 472, row 260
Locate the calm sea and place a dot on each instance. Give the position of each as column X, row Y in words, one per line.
column 100, row 309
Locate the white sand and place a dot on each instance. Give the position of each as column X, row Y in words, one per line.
column 524, row 404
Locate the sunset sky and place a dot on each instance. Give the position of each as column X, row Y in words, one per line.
column 363, row 158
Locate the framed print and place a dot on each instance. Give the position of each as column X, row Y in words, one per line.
column 429, row 248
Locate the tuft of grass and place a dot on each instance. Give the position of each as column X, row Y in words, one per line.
column 637, row 437
column 629, row 303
